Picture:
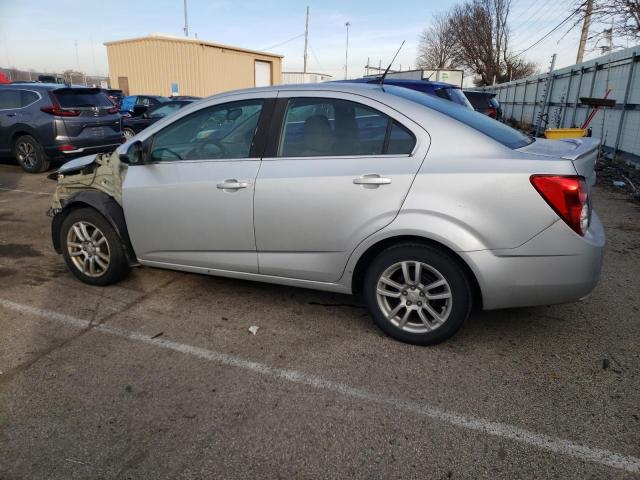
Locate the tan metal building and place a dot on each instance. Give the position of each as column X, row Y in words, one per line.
column 165, row 65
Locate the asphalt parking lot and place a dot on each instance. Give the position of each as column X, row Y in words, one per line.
column 159, row 376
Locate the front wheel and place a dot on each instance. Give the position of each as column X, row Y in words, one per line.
column 92, row 248
column 417, row 293
column 128, row 133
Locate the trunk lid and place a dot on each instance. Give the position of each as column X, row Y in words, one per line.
column 583, row 153
column 96, row 117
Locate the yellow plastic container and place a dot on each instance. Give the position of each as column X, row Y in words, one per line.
column 560, row 133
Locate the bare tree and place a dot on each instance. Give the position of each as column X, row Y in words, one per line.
column 437, row 44
column 474, row 35
column 622, row 15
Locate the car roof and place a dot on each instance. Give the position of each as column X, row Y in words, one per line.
column 480, row 93
column 400, row 82
column 38, row 85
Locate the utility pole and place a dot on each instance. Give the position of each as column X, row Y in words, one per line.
column 346, row 54
column 306, row 40
column 186, row 23
column 77, row 56
column 585, row 31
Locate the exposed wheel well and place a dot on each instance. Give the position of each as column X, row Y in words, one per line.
column 105, row 206
column 18, row 134
column 361, row 267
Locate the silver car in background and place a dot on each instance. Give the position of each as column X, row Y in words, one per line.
column 425, row 208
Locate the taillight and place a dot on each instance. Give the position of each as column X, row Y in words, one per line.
column 57, row 110
column 567, row 195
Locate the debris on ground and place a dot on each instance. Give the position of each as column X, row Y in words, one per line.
column 619, row 176
column 254, row 329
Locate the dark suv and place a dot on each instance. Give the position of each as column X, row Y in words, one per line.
column 485, row 102
column 40, row 122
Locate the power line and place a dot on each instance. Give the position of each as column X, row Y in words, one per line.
column 282, row 43
column 552, row 30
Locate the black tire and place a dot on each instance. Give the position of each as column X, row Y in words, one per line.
column 434, row 262
column 128, row 131
column 117, row 266
column 30, row 155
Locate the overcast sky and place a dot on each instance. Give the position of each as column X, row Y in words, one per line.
column 42, row 34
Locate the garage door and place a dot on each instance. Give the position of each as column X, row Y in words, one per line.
column 263, row 74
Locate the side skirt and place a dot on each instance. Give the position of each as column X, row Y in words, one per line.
column 291, row 282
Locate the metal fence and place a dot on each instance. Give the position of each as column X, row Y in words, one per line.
column 619, row 127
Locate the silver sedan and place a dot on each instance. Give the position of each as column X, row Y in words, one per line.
column 425, row 208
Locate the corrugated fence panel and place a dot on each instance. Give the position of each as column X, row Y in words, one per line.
column 619, row 127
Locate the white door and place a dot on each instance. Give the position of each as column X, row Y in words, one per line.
column 263, row 74
column 192, row 206
column 341, row 172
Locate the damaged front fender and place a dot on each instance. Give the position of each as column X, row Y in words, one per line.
column 96, row 184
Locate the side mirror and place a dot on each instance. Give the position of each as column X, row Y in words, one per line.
column 145, row 115
column 134, row 155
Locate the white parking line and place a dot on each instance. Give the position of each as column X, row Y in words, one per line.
column 503, row 430
column 24, row 191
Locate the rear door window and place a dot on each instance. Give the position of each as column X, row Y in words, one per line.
column 82, row 97
column 323, row 127
column 10, row 99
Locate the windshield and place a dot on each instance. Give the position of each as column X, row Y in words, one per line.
column 507, row 136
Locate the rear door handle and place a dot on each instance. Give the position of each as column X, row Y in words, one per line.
column 11, row 114
column 232, row 184
column 371, row 179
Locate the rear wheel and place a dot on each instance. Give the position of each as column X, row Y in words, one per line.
column 92, row 248
column 128, row 133
column 30, row 155
column 417, row 293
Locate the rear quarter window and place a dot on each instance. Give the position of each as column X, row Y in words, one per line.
column 27, row 98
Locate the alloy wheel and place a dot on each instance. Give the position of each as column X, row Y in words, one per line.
column 414, row 296
column 27, row 154
column 88, row 249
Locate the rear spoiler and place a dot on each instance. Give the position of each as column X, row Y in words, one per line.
column 584, row 157
column 583, row 146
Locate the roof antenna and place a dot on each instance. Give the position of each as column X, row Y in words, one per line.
column 384, row 75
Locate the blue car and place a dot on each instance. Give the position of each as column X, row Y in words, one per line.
column 436, row 89
column 136, row 105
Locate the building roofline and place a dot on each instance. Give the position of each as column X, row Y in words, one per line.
column 171, row 38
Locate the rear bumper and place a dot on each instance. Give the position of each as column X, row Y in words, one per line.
column 556, row 266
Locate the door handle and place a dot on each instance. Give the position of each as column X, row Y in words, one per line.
column 372, row 179
column 11, row 114
column 232, row 184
